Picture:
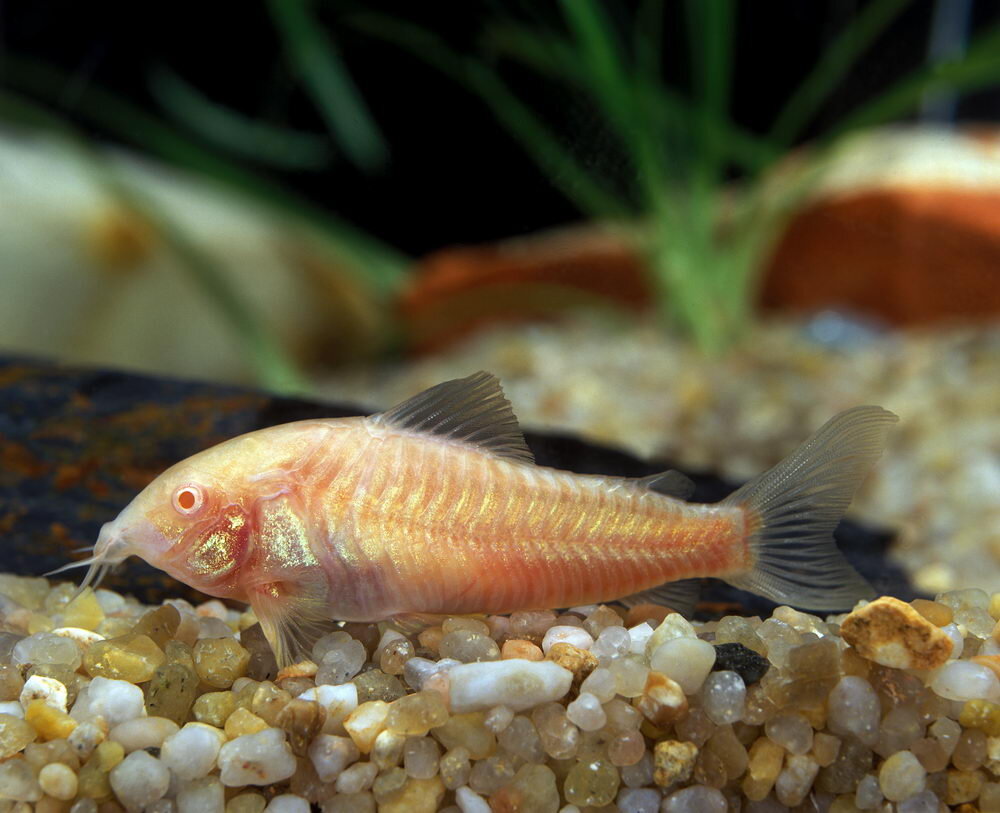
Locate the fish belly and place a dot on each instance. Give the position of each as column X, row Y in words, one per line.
column 427, row 526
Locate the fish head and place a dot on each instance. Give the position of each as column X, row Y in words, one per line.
column 193, row 521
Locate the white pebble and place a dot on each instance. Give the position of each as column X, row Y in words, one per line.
column 515, row 683
column 686, row 660
column 957, row 641
column 498, row 718
column 44, row 688
column 110, row 601
column 114, row 700
column 638, row 637
column 723, row 697
column 139, row 780
column 613, row 642
column 287, row 803
column 142, row 732
column 191, row 753
column 357, row 778
column 924, row 802
column 330, row 755
column 469, row 801
column 421, row 756
column 601, row 684
column 901, row 776
column 639, row 800
column 586, row 712
column 577, row 636
column 695, row 799
column 673, row 626
column 854, row 709
column 256, row 759
column 13, row 708
column 46, row 648
column 83, row 637
column 963, row 680
column 339, row 702
column 58, row 780
column 206, row 795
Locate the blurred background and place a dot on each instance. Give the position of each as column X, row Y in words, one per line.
column 692, row 230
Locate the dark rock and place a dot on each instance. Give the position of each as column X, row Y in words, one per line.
column 742, row 660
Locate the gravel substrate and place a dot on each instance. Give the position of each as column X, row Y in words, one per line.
column 108, row 705
column 636, row 387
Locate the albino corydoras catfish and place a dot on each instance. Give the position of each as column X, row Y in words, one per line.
column 437, row 507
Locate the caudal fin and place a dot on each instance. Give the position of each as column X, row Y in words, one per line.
column 794, row 507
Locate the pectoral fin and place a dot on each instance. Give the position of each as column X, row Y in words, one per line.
column 292, row 615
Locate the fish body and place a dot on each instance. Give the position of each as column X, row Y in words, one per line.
column 436, row 507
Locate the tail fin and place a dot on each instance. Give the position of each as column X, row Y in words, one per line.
column 794, row 507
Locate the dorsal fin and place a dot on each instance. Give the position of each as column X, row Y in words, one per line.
column 670, row 483
column 470, row 410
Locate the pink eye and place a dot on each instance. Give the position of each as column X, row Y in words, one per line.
column 188, row 499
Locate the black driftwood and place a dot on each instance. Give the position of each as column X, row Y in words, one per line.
column 76, row 445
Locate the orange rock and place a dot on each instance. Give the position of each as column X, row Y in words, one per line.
column 517, row 648
column 580, row 662
column 662, row 701
column 892, row 633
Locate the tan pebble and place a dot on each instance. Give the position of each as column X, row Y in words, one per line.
column 430, row 638
column 892, row 633
column 646, row 612
column 673, row 762
column 519, row 648
column 991, row 661
column 580, row 662
column 301, row 669
column 242, row 722
column 938, row 614
column 416, row 796
column 365, row 722
column 662, row 701
column 962, row 786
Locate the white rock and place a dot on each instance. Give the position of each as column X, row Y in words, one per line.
column 86, row 737
column 639, row 800
column 469, row 801
column 686, row 660
column 205, row 795
column 287, row 803
column 358, row 777
column 139, row 780
column 639, row 636
column 330, row 755
column 142, row 732
column 13, row 708
column 963, row 680
column 577, row 636
column 339, row 702
column 673, row 626
column 18, row 784
column 83, row 637
column 517, row 684
column 191, row 753
column 110, row 601
column 114, row 700
column 256, row 759
column 44, row 688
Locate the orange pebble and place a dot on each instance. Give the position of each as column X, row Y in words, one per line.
column 516, row 648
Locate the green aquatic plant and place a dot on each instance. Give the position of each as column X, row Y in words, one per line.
column 680, row 147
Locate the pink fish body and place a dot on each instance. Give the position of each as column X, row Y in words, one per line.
column 436, row 507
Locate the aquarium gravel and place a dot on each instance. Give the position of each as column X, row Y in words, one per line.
column 109, row 705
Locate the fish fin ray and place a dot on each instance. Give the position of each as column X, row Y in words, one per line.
column 293, row 615
column 681, row 595
column 670, row 483
column 471, row 410
column 793, row 508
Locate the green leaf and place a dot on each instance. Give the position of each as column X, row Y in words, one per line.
column 336, row 96
column 228, row 130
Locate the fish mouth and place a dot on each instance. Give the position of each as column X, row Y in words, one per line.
column 110, row 551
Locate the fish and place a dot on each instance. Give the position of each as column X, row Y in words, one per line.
column 437, row 508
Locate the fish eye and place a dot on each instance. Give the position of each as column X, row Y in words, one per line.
column 188, row 499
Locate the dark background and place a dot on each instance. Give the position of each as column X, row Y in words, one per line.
column 454, row 175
